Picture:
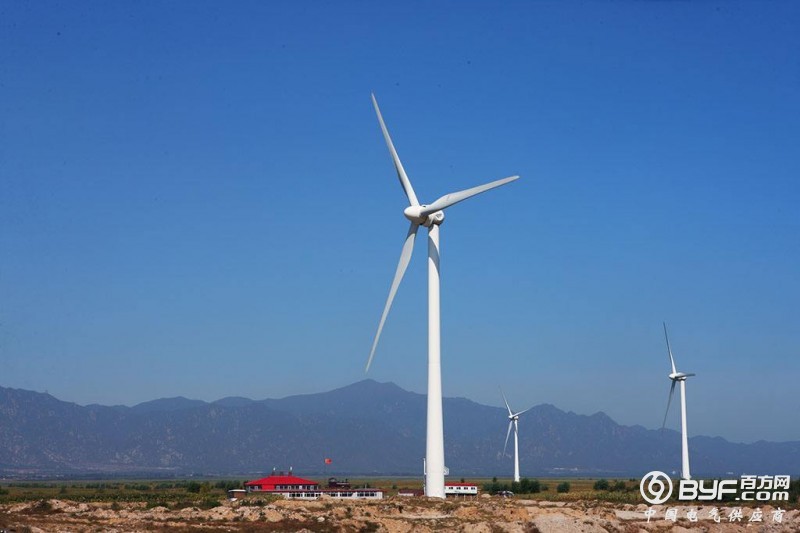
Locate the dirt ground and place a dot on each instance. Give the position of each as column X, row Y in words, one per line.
column 395, row 515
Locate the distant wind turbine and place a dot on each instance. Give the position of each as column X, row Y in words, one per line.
column 513, row 419
column 679, row 377
column 430, row 216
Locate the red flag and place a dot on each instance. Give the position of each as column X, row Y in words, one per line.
column 328, row 461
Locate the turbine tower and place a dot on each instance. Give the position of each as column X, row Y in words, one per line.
column 679, row 377
column 513, row 419
column 430, row 216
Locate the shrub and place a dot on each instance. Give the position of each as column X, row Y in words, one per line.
column 527, row 486
column 227, row 485
column 183, row 504
column 42, row 506
column 601, row 484
column 208, row 503
column 159, row 503
column 563, row 487
column 794, row 491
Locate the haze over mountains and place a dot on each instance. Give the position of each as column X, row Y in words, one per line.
column 366, row 428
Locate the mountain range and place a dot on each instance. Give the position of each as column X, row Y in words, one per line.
column 367, row 428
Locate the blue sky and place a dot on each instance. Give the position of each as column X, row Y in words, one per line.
column 196, row 200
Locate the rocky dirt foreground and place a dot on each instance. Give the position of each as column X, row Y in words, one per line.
column 490, row 515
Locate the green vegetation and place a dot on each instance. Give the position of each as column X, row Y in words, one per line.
column 193, row 487
column 525, row 486
column 794, row 491
column 186, row 493
column 260, row 501
column 200, row 493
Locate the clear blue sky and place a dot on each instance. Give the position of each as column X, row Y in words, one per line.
column 196, row 200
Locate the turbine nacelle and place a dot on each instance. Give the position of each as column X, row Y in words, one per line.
column 680, row 376
column 417, row 215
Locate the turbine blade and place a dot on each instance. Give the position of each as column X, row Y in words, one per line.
column 401, row 173
column 690, row 374
column 454, row 197
column 525, row 411
column 405, row 257
column 508, row 433
column 506, row 401
column 669, row 350
column 671, row 391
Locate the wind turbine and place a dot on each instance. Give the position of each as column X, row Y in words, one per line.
column 513, row 418
column 430, row 216
column 679, row 377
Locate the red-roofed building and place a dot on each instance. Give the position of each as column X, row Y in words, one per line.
column 280, row 482
column 293, row 487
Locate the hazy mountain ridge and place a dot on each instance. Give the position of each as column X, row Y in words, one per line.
column 366, row 428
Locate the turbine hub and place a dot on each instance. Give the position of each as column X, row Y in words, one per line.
column 414, row 214
column 434, row 218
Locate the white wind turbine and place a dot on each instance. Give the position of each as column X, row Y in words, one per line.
column 430, row 216
column 513, row 419
column 677, row 377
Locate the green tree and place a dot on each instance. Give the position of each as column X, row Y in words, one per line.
column 563, row 487
column 529, row 486
column 794, row 491
column 601, row 484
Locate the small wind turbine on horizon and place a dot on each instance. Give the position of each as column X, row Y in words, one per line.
column 431, row 216
column 679, row 377
column 513, row 419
